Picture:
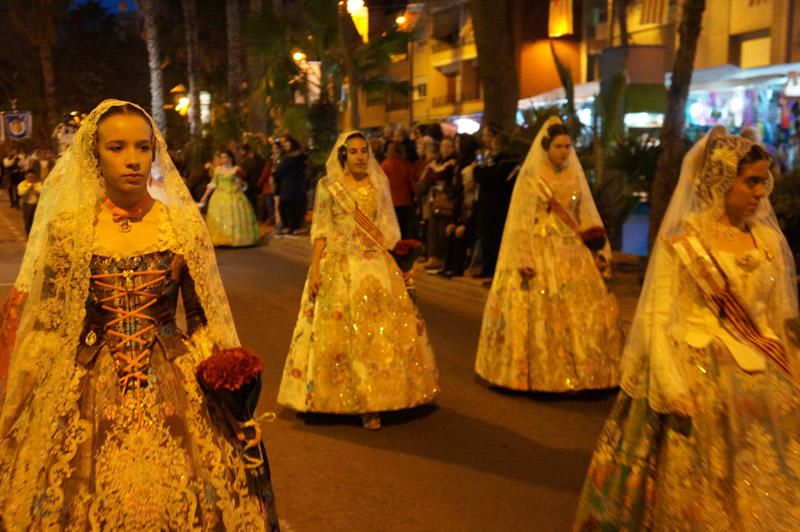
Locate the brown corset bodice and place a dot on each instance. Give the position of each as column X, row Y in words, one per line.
column 131, row 308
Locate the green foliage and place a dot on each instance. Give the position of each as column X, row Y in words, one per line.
column 565, row 75
column 636, row 157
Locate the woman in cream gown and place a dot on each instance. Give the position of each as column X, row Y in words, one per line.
column 104, row 425
column 705, row 434
column 550, row 324
column 360, row 345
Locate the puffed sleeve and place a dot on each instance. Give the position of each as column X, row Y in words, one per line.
column 668, row 390
column 195, row 316
column 322, row 220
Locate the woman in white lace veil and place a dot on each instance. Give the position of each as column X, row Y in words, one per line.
column 550, row 323
column 359, row 345
column 47, row 418
column 704, row 434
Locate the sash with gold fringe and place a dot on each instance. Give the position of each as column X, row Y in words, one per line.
column 715, row 287
column 363, row 221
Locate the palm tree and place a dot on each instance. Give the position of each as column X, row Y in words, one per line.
column 149, row 10
column 192, row 63
column 350, row 40
column 233, row 15
column 672, row 133
column 497, row 58
column 37, row 20
column 256, row 109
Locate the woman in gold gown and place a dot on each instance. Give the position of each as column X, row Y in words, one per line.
column 104, row 425
column 705, row 434
column 360, row 345
column 550, row 324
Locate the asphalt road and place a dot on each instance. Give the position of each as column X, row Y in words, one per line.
column 480, row 459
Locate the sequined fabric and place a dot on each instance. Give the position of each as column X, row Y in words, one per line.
column 735, row 464
column 361, row 346
column 560, row 330
column 230, row 217
column 141, row 449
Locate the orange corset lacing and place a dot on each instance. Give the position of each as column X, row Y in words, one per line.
column 132, row 351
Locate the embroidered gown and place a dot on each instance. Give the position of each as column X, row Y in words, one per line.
column 141, row 449
column 230, row 217
column 558, row 331
column 735, row 465
column 361, row 346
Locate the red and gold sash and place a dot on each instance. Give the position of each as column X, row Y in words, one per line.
column 715, row 287
column 367, row 226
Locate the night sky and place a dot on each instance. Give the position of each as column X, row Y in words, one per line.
column 110, row 5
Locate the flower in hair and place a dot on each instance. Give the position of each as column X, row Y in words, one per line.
column 726, row 157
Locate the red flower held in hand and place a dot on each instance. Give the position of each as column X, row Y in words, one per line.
column 403, row 247
column 230, row 369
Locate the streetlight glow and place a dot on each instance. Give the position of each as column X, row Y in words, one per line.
column 299, row 57
column 400, row 20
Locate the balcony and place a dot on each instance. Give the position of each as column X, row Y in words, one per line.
column 441, row 46
column 448, row 99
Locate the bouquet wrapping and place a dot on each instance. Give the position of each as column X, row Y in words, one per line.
column 406, row 253
column 232, row 378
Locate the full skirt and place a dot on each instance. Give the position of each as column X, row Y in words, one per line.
column 557, row 332
column 735, row 465
column 160, row 458
column 361, row 345
column 230, row 218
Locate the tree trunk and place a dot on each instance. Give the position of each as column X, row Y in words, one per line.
column 235, row 69
column 497, row 61
column 46, row 59
column 148, row 8
column 256, row 107
column 621, row 8
column 669, row 162
column 192, row 54
column 350, row 40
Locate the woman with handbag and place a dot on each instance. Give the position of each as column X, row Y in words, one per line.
column 550, row 323
column 104, row 425
column 705, row 433
column 360, row 345
column 438, row 184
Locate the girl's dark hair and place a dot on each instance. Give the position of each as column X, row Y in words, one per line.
column 342, row 154
column 755, row 154
column 125, row 109
column 552, row 132
column 231, row 156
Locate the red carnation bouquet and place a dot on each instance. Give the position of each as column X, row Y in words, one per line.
column 232, row 378
column 406, row 253
column 594, row 238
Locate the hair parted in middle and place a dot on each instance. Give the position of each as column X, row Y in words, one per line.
column 555, row 130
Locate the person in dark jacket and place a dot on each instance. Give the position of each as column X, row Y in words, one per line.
column 290, row 183
column 495, row 175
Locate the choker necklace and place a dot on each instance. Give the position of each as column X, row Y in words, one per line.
column 124, row 217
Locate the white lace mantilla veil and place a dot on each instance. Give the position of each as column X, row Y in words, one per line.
column 55, row 275
column 516, row 249
column 697, row 203
column 387, row 219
